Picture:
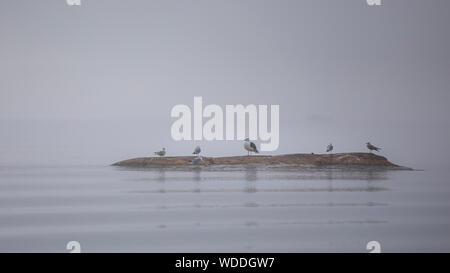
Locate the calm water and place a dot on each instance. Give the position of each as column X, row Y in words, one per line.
column 203, row 209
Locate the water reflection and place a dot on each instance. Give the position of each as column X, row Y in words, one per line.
column 330, row 180
column 197, row 174
column 251, row 173
column 372, row 178
column 197, row 178
column 292, row 209
column 251, row 176
column 245, row 179
column 251, row 188
column 161, row 177
column 371, row 175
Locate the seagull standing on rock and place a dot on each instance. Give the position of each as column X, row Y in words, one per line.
column 372, row 148
column 161, row 153
column 250, row 146
column 197, row 150
column 329, row 148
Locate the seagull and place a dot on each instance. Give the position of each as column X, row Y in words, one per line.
column 161, row 153
column 372, row 148
column 197, row 150
column 329, row 148
column 197, row 160
column 250, row 146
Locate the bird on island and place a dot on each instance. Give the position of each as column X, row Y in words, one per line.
column 250, row 146
column 372, row 148
column 329, row 148
column 197, row 150
column 161, row 153
column 197, row 160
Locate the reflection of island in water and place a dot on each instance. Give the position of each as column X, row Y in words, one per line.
column 261, row 188
column 250, row 176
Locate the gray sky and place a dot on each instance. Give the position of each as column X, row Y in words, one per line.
column 96, row 83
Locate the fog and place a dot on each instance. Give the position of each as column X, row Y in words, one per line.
column 95, row 84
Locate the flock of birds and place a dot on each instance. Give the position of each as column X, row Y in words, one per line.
column 248, row 145
column 251, row 148
column 368, row 145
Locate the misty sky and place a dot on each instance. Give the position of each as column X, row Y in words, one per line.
column 96, row 83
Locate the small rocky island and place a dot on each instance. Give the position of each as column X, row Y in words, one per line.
column 339, row 159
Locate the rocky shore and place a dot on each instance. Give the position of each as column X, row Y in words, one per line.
column 340, row 159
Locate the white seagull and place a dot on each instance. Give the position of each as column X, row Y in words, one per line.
column 372, row 148
column 197, row 160
column 197, row 150
column 329, row 148
column 161, row 153
column 250, row 146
